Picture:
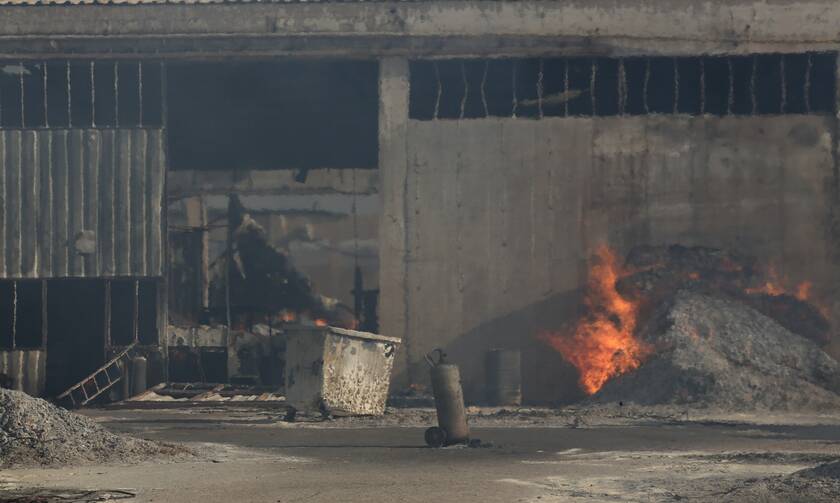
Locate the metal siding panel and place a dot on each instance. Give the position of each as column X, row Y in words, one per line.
column 122, row 235
column 91, row 174
column 156, row 178
column 138, row 200
column 76, row 200
column 106, row 233
column 30, row 171
column 27, row 368
column 45, row 200
column 60, row 169
column 56, row 183
column 13, row 200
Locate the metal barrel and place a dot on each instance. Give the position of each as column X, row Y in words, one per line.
column 449, row 402
column 503, row 369
column 139, row 370
column 125, row 389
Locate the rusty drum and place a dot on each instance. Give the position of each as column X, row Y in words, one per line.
column 503, row 368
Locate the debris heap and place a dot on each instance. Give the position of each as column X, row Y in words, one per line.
column 717, row 351
column 656, row 273
column 35, row 432
column 820, row 484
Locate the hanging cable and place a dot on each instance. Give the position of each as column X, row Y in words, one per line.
column 515, row 104
column 483, row 85
column 116, row 94
column 540, row 77
column 22, row 97
column 464, row 96
column 702, row 86
column 592, row 78
column 14, row 313
column 752, row 86
column 676, row 86
column 439, row 91
column 783, row 104
column 566, row 87
column 92, row 95
column 140, row 94
column 69, row 98
column 645, row 86
column 622, row 88
column 730, row 100
column 807, row 86
column 46, row 112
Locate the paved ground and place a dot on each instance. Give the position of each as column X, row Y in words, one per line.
column 248, row 456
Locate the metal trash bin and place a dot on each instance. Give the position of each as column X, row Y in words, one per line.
column 336, row 371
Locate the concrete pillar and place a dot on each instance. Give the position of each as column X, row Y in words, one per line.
column 393, row 165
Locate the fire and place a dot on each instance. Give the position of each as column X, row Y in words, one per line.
column 803, row 290
column 320, row 323
column 775, row 286
column 603, row 344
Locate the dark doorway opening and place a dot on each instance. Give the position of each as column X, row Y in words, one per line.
column 76, row 342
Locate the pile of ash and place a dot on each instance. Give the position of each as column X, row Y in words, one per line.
column 717, row 351
column 33, row 432
column 655, row 273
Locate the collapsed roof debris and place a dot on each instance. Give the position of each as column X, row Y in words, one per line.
column 263, row 279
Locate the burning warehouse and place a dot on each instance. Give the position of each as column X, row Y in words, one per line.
column 585, row 206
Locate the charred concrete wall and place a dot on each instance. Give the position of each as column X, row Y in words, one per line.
column 487, row 232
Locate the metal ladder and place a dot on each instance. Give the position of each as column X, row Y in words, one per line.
column 100, row 381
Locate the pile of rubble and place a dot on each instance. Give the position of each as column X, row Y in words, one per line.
column 35, row 432
column 718, row 352
column 820, row 484
column 656, row 273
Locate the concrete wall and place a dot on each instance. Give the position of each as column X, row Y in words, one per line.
column 498, row 216
column 389, row 28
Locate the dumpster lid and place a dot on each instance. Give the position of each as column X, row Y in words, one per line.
column 356, row 334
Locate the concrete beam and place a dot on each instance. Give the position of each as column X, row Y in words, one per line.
column 381, row 28
column 393, row 222
column 187, row 183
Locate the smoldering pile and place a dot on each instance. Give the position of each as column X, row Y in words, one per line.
column 709, row 351
column 35, row 432
column 719, row 333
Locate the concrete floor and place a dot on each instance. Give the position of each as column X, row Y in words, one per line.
column 248, row 456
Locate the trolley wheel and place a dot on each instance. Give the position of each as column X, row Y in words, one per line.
column 435, row 437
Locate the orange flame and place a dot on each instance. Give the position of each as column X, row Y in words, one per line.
column 603, row 345
column 320, row 323
column 775, row 286
column 803, row 290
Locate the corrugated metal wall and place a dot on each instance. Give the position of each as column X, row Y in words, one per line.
column 27, row 367
column 81, row 202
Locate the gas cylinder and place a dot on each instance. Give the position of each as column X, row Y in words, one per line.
column 452, row 425
column 139, row 367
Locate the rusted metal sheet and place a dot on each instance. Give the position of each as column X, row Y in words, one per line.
column 343, row 372
column 27, row 368
column 81, row 202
